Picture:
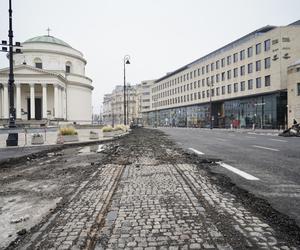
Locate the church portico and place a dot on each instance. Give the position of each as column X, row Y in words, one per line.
column 39, row 101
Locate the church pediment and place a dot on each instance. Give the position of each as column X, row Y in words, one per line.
column 26, row 71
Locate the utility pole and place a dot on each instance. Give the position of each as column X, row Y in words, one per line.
column 12, row 139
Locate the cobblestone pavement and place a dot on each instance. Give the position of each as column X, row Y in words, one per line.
column 151, row 195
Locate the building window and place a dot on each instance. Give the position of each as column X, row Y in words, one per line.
column 223, row 62
column 223, row 76
column 38, row 63
column 229, row 89
column 203, row 70
column 258, row 65
column 203, row 94
column 229, row 74
column 217, row 77
column 275, row 41
column 242, row 70
column 68, row 67
column 207, row 68
column 267, row 63
column 199, row 72
column 298, row 88
column 249, row 51
column 235, row 87
column 212, row 79
column 191, row 75
column 217, row 64
column 212, row 92
column 228, row 60
column 242, row 55
column 199, row 83
column 258, row 48
column 243, row 86
column 235, row 57
column 235, row 72
column 218, row 91
column 187, row 76
column 207, row 81
column 191, row 97
column 267, row 81
column 267, row 45
column 203, row 82
column 199, row 95
column 250, row 84
column 250, row 68
column 207, row 93
column 187, row 87
column 223, row 90
column 258, row 82
column 212, row 67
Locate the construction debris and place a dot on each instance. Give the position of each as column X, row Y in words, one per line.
column 293, row 131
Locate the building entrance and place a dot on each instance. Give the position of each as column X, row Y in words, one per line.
column 38, row 109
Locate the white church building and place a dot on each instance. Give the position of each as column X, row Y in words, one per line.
column 50, row 83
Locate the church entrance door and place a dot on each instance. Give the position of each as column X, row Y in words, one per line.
column 38, row 109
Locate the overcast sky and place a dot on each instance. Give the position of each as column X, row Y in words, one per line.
column 159, row 35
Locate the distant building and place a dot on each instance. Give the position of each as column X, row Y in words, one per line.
column 294, row 93
column 50, row 83
column 113, row 105
column 245, row 82
column 137, row 99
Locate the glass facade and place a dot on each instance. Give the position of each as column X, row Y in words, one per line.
column 267, row 111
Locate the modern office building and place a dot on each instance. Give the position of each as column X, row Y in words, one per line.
column 145, row 100
column 240, row 84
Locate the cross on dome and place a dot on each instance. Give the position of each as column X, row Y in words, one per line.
column 48, row 30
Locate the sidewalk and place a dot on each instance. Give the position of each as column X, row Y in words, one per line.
column 26, row 149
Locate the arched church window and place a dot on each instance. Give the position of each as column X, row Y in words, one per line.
column 38, row 63
column 68, row 67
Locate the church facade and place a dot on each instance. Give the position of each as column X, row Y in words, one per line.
column 50, row 83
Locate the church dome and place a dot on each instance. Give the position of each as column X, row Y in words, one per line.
column 47, row 39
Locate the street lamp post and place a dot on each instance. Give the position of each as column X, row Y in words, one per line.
column 210, row 107
column 12, row 139
column 125, row 61
column 128, row 102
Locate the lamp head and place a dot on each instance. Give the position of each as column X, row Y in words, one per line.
column 127, row 61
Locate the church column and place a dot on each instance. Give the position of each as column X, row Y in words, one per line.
column 18, row 103
column 58, row 103
column 32, row 102
column 5, row 101
column 62, row 103
column 45, row 108
column 55, row 101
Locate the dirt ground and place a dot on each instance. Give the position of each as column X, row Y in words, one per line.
column 139, row 192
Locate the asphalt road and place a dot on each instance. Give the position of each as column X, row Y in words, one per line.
column 271, row 162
